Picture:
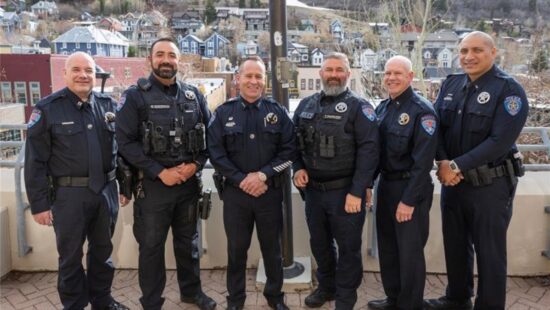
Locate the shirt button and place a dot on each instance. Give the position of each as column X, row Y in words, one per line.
column 252, row 136
column 459, row 111
column 90, row 126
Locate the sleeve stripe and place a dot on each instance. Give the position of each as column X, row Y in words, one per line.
column 283, row 166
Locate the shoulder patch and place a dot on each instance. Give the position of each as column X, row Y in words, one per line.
column 429, row 124
column 368, row 111
column 34, row 118
column 121, row 102
column 512, row 104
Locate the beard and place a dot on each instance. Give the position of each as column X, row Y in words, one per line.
column 165, row 74
column 334, row 90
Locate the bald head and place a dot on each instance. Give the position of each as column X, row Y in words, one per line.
column 482, row 36
column 400, row 61
column 79, row 74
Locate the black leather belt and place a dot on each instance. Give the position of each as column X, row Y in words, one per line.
column 80, row 181
column 483, row 175
column 330, row 185
column 396, row 175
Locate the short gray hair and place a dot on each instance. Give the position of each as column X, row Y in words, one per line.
column 406, row 62
column 340, row 56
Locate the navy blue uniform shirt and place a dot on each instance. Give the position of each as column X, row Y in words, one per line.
column 57, row 144
column 480, row 120
column 361, row 123
column 408, row 134
column 133, row 111
column 247, row 137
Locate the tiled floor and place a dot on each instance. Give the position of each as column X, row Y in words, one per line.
column 38, row 291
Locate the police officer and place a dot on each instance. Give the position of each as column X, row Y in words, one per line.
column 251, row 142
column 408, row 134
column 160, row 131
column 70, row 157
column 339, row 151
column 481, row 113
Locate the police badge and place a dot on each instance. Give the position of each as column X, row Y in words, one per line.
column 341, row 107
column 403, row 119
column 190, row 95
column 271, row 118
column 483, row 97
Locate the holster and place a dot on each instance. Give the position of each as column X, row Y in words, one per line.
column 204, row 205
column 51, row 190
column 219, row 183
column 124, row 177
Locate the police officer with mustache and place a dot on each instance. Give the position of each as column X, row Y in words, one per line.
column 161, row 132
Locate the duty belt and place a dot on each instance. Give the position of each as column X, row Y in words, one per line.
column 80, row 181
column 483, row 175
column 396, row 175
column 330, row 185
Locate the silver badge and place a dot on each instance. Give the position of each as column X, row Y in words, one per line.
column 341, row 107
column 403, row 119
column 252, row 136
column 190, row 95
column 271, row 118
column 230, row 118
column 110, row 117
column 483, row 98
column 229, row 124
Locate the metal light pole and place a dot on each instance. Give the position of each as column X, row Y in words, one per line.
column 280, row 76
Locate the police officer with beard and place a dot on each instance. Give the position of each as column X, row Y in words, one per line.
column 338, row 155
column 69, row 175
column 251, row 142
column 161, row 132
column 408, row 134
column 481, row 112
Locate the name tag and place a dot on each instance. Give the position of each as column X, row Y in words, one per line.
column 67, row 123
column 329, row 116
column 307, row 115
column 160, row 106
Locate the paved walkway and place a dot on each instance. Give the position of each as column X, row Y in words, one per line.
column 38, row 291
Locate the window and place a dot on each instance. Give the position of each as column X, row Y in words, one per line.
column 88, row 45
column 77, row 44
column 64, row 45
column 20, row 92
column 445, row 55
column 310, row 84
column 317, row 84
column 445, row 64
column 35, row 92
column 6, row 92
column 303, row 84
column 210, row 44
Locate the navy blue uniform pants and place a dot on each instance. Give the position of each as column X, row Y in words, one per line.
column 166, row 207
column 240, row 212
column 401, row 245
column 80, row 214
column 475, row 219
column 340, row 273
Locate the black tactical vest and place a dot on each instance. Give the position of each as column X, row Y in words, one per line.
column 323, row 141
column 174, row 131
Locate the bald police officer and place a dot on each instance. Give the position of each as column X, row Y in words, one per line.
column 70, row 157
column 481, row 113
column 408, row 134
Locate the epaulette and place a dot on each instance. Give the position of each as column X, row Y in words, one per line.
column 232, row 100
column 144, row 84
column 502, row 75
column 455, row 75
column 53, row 97
column 424, row 103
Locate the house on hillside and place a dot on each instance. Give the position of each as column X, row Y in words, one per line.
column 45, row 9
column 93, row 41
column 188, row 22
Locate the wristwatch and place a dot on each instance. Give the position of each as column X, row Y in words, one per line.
column 454, row 167
column 198, row 164
column 262, row 176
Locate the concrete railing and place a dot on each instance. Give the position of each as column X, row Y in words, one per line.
column 529, row 232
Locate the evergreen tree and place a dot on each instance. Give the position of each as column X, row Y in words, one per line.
column 540, row 63
column 209, row 12
column 242, row 3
